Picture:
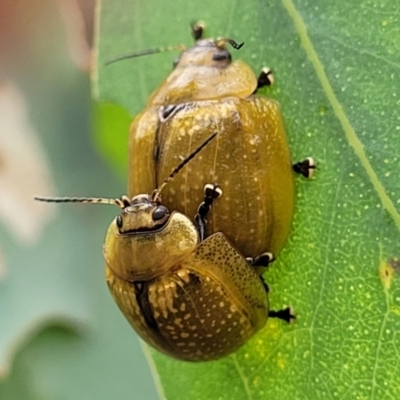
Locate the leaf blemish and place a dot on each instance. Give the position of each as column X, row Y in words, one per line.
column 387, row 269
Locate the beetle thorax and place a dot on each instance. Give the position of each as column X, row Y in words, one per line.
column 145, row 253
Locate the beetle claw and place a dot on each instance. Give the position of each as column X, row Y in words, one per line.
column 305, row 167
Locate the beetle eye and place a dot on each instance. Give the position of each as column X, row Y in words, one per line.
column 160, row 212
column 119, row 222
column 221, row 55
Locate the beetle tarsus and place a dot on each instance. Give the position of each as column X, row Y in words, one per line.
column 265, row 78
column 263, row 260
column 305, row 167
column 286, row 314
column 197, row 30
column 211, row 192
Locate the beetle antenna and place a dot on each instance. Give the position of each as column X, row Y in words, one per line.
column 146, row 52
column 221, row 43
column 124, row 200
column 157, row 192
column 121, row 203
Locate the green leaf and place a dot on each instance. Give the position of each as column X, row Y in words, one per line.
column 111, row 134
column 337, row 72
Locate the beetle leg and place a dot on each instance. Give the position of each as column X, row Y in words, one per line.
column 263, row 260
column 265, row 78
column 197, row 30
column 305, row 167
column 286, row 314
column 211, row 192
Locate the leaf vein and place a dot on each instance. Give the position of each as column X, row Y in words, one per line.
column 348, row 129
column 242, row 376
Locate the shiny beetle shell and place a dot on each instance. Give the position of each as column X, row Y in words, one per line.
column 192, row 301
column 205, row 93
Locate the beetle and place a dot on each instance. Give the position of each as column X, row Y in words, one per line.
column 192, row 297
column 208, row 92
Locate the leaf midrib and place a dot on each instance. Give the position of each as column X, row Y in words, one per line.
column 350, row 134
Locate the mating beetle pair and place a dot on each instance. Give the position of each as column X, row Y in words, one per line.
column 192, row 290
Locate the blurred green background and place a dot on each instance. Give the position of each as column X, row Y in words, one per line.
column 61, row 335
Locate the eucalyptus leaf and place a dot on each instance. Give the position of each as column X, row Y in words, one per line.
column 336, row 67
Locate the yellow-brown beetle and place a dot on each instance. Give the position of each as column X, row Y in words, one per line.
column 190, row 298
column 207, row 92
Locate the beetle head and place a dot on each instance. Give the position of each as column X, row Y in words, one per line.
column 142, row 215
column 207, row 53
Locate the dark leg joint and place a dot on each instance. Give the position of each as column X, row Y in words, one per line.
column 305, row 167
column 286, row 314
